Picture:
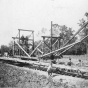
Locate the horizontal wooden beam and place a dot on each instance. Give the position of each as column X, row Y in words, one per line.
column 25, row 57
column 26, row 30
column 49, row 37
column 20, row 38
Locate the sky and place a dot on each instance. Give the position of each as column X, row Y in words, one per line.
column 38, row 14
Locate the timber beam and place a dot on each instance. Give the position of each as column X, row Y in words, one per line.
column 26, row 30
column 49, row 37
column 20, row 38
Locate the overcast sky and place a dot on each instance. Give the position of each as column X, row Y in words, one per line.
column 38, row 14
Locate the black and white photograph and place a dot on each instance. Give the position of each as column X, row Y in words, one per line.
column 43, row 43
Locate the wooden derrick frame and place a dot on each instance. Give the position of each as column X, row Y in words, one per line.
column 19, row 38
column 43, row 42
column 64, row 48
column 50, row 47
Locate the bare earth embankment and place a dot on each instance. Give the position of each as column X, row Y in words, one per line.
column 14, row 77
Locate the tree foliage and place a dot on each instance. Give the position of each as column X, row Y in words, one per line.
column 64, row 32
column 85, row 31
column 4, row 49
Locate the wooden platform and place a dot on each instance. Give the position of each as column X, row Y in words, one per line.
column 43, row 63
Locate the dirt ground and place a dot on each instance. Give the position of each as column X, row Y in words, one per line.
column 14, row 77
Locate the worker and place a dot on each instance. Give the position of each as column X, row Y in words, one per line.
column 50, row 66
column 49, row 70
column 52, row 57
column 79, row 63
column 69, row 63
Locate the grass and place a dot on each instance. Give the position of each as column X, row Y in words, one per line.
column 12, row 77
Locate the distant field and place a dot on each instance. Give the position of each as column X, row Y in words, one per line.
column 75, row 59
column 76, row 56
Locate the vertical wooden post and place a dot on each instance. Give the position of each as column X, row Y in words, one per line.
column 43, row 44
column 19, row 40
column 33, row 40
column 59, row 43
column 51, row 36
column 13, row 47
column 51, row 45
column 42, row 47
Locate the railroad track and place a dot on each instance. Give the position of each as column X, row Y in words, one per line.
column 57, row 69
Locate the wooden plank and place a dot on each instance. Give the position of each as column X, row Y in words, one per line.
column 49, row 37
column 25, row 57
column 25, row 30
column 20, row 38
column 39, row 50
column 44, row 64
column 36, row 48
